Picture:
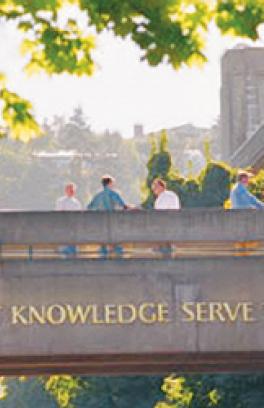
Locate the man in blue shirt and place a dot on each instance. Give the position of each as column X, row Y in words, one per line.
column 240, row 197
column 107, row 199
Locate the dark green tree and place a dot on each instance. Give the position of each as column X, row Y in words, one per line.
column 210, row 189
column 215, row 184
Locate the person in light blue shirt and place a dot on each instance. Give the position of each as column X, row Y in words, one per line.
column 240, row 197
column 108, row 199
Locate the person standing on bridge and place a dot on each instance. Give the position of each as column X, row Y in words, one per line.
column 108, row 199
column 68, row 202
column 165, row 199
column 240, row 197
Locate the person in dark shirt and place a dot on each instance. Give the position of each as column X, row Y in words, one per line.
column 108, row 199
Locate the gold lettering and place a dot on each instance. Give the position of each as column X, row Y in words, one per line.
column 202, row 312
column 146, row 313
column 34, row 314
column 247, row 310
column 163, row 312
column 56, row 314
column 78, row 314
column 232, row 312
column 186, row 308
column 95, row 313
column 110, row 314
column 216, row 312
column 123, row 310
column 17, row 316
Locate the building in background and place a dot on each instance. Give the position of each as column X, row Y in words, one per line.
column 242, row 101
column 138, row 130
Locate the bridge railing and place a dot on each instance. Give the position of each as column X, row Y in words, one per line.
column 131, row 234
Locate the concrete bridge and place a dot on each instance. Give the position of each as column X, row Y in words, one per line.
column 172, row 291
column 251, row 152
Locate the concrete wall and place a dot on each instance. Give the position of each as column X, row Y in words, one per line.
column 132, row 226
column 108, row 347
column 242, row 96
column 251, row 152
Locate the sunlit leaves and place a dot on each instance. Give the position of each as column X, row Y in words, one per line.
column 214, row 397
column 167, row 30
column 17, row 116
column 256, row 185
column 178, row 394
column 22, row 378
column 25, row 26
column 56, row 50
column 10, row 9
column 240, row 17
column 3, row 388
column 170, row 31
column 2, row 80
column 63, row 388
column 24, row 7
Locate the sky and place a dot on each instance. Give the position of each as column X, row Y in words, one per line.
column 123, row 91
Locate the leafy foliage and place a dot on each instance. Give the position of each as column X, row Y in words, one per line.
column 182, row 393
column 3, row 388
column 215, row 183
column 210, row 189
column 64, row 389
column 171, row 31
column 257, row 185
column 240, row 17
column 229, row 390
column 56, row 50
column 163, row 29
column 159, row 163
column 194, row 391
column 17, row 117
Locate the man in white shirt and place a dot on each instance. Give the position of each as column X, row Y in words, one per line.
column 68, row 202
column 166, row 199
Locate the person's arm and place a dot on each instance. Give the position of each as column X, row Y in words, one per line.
column 93, row 204
column 254, row 201
column 118, row 200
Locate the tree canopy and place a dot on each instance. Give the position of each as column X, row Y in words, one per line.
column 171, row 31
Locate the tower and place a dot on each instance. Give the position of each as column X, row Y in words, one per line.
column 138, row 130
column 242, row 96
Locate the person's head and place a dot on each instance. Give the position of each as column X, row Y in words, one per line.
column 158, row 186
column 107, row 181
column 243, row 177
column 70, row 189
